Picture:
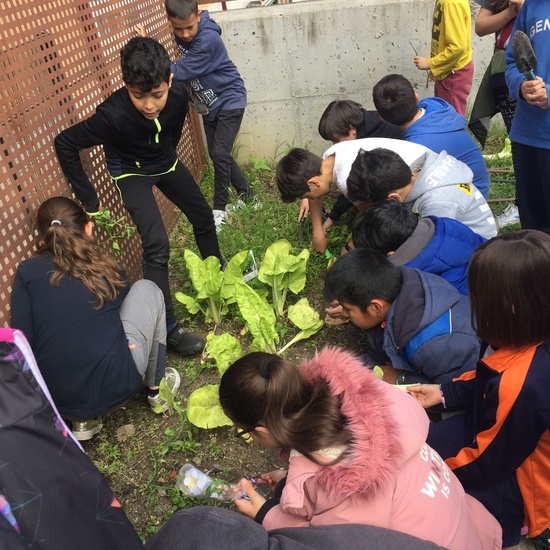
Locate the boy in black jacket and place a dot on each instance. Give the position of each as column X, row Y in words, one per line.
column 139, row 127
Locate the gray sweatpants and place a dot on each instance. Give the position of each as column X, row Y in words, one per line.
column 144, row 319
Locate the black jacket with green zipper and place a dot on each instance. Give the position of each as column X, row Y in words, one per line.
column 133, row 144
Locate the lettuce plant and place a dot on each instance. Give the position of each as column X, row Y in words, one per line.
column 283, row 272
column 204, row 409
column 306, row 319
column 213, row 285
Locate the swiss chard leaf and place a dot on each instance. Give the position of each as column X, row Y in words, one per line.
column 204, row 409
column 224, row 349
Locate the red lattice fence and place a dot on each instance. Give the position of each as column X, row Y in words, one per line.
column 59, row 59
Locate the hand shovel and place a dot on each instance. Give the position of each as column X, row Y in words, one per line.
column 524, row 56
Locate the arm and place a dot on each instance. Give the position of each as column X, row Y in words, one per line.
column 95, row 130
column 198, row 59
column 21, row 308
column 488, row 22
column 320, row 242
column 456, row 36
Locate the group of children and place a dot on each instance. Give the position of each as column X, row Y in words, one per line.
column 432, row 296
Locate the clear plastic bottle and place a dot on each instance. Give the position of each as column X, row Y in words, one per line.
column 194, row 483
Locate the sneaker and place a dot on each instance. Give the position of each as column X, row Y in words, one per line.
column 183, row 342
column 510, row 216
column 173, row 381
column 220, row 217
column 84, row 431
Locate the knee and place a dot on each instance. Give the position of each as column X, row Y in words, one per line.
column 220, row 154
column 156, row 251
column 147, row 287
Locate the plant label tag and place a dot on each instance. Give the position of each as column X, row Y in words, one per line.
column 251, row 269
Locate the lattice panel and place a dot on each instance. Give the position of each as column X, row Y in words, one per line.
column 59, row 59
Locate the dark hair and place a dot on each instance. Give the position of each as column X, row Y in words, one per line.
column 293, row 172
column 361, row 276
column 384, row 227
column 61, row 224
column 144, row 63
column 338, row 117
column 375, row 174
column 395, row 100
column 261, row 389
column 181, row 9
column 509, row 290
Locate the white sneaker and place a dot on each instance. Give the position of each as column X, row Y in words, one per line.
column 220, row 217
column 173, row 381
column 83, row 431
column 237, row 205
column 510, row 216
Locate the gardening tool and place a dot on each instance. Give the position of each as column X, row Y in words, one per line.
column 524, row 56
column 301, row 232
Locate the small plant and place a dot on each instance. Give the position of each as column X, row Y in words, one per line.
column 116, row 229
column 283, row 272
column 306, row 319
column 259, row 163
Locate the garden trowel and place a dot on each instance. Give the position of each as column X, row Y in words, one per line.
column 524, row 56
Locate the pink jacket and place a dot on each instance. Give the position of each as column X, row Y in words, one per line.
column 392, row 478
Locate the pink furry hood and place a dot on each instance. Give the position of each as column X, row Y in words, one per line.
column 388, row 426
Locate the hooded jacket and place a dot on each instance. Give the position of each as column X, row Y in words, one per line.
column 442, row 128
column 441, row 246
column 428, row 331
column 444, row 188
column 390, row 478
column 206, row 68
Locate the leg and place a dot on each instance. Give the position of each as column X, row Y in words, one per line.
column 138, row 198
column 181, row 188
column 144, row 319
column 220, row 137
column 456, row 87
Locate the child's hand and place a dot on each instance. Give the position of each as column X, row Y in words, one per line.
column 250, row 507
column 304, row 209
column 327, row 223
column 319, row 241
column 139, row 29
column 428, row 395
column 421, row 62
column 272, row 478
column 535, row 93
column 336, row 310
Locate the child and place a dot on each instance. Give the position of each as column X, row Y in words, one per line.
column 94, row 337
column 441, row 187
column 431, row 122
column 214, row 80
column 355, row 448
column 302, row 174
column 531, row 125
column 500, row 448
column 450, row 64
column 139, row 127
column 441, row 246
column 344, row 120
column 414, row 320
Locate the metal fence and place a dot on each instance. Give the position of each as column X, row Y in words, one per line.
column 59, row 59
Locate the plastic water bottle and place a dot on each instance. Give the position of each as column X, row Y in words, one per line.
column 194, row 483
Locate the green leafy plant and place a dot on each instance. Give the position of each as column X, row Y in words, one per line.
column 213, row 285
column 224, row 349
column 115, row 229
column 306, row 319
column 204, row 409
column 259, row 163
column 283, row 272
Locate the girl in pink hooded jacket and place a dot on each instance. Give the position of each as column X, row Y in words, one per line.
column 356, row 451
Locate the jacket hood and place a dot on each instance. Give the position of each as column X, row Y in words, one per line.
column 387, row 425
column 208, row 24
column 439, row 170
column 439, row 118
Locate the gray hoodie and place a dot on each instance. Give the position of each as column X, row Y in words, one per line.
column 444, row 188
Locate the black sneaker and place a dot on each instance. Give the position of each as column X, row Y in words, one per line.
column 183, row 342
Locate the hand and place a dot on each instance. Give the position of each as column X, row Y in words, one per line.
column 250, row 507
column 139, row 29
column 421, row 62
column 272, row 478
column 320, row 242
column 327, row 223
column 336, row 310
column 535, row 93
column 514, row 6
column 428, row 395
column 304, row 209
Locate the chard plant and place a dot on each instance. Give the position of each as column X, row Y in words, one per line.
column 214, row 286
column 306, row 319
column 283, row 272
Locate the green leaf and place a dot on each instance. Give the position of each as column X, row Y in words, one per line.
column 233, row 273
column 306, row 319
column 224, row 349
column 258, row 314
column 206, row 275
column 204, row 409
column 189, row 302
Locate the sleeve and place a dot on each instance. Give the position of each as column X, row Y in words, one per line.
column 197, row 62
column 516, row 418
column 340, row 207
column 460, row 392
column 21, row 309
column 95, row 130
column 455, row 35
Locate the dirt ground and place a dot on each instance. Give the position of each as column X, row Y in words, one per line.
column 140, row 452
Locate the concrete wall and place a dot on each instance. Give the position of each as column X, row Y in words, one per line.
column 296, row 58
